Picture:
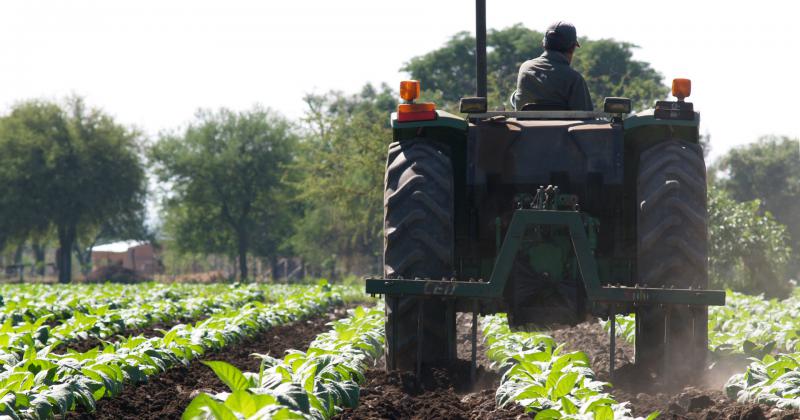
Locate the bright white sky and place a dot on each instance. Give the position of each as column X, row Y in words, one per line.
column 152, row 63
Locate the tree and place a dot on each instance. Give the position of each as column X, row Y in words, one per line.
column 768, row 170
column 607, row 65
column 340, row 177
column 748, row 249
column 225, row 171
column 67, row 166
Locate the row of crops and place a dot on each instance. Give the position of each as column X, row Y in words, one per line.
column 41, row 376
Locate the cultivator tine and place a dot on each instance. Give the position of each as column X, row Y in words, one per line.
column 667, row 351
column 393, row 353
column 612, row 317
column 473, row 367
column 420, row 305
column 451, row 340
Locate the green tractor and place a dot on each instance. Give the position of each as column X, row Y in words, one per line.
column 549, row 216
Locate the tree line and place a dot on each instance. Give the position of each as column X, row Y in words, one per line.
column 254, row 183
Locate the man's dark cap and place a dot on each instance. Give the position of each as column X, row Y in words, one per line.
column 560, row 36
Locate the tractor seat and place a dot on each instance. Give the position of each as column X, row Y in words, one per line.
column 542, row 107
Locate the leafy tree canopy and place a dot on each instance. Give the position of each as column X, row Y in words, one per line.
column 768, row 170
column 748, row 249
column 67, row 166
column 340, row 175
column 226, row 171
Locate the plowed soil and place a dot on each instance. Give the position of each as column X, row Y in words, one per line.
column 442, row 393
column 166, row 395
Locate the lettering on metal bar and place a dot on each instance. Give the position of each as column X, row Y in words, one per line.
column 637, row 295
column 440, row 288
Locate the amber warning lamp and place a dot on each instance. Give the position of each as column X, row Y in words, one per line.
column 681, row 88
column 680, row 109
column 410, row 111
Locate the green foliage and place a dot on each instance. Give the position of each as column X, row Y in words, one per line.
column 225, row 171
column 37, row 382
column 317, row 383
column 339, row 177
column 768, row 171
column 748, row 250
column 607, row 65
column 66, row 166
column 771, row 380
column 547, row 382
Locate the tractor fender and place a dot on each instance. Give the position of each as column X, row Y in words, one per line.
column 445, row 126
column 643, row 130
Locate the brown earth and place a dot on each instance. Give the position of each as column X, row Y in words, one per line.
column 703, row 399
column 166, row 395
column 443, row 392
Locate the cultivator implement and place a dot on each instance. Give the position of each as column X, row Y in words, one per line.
column 484, row 297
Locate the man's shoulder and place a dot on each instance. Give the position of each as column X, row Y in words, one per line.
column 532, row 62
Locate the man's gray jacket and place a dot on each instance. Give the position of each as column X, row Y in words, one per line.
column 548, row 80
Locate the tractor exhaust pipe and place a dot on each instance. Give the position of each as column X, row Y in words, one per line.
column 480, row 46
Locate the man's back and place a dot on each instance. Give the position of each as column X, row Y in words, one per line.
column 549, row 81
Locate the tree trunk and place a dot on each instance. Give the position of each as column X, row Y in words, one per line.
column 19, row 263
column 39, row 253
column 66, row 237
column 84, row 258
column 242, row 255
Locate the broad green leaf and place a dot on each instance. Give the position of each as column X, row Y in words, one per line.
column 548, row 414
column 229, row 374
column 565, row 384
column 654, row 415
column 204, row 406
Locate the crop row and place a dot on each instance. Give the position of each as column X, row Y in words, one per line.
column 30, row 302
column 545, row 380
column 105, row 320
column 37, row 383
column 316, row 384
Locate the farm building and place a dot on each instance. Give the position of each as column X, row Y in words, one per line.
column 135, row 255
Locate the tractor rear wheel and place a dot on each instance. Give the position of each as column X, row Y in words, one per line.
column 418, row 242
column 672, row 252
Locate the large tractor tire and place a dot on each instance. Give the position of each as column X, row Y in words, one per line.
column 418, row 243
column 672, row 252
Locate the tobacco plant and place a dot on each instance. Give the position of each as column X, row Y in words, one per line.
column 317, row 383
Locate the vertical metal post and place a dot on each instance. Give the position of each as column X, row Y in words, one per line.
column 393, row 351
column 473, row 366
column 667, row 352
column 449, row 322
column 612, row 318
column 420, row 305
column 480, row 46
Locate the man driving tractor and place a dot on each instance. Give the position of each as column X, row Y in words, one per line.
column 547, row 82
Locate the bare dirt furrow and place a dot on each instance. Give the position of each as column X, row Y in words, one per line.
column 444, row 392
column 166, row 395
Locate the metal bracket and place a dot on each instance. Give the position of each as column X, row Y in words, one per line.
column 587, row 266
